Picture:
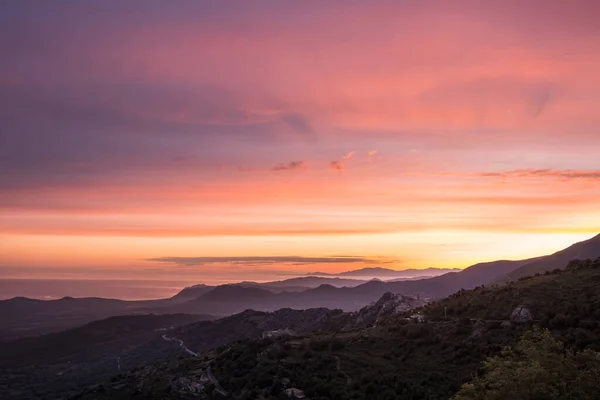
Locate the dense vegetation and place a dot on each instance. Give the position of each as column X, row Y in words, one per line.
column 412, row 361
column 565, row 300
column 540, row 367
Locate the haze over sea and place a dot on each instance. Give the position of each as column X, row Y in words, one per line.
column 48, row 289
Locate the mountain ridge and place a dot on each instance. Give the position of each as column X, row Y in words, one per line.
column 584, row 249
column 388, row 272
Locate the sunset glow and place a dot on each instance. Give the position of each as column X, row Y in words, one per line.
column 281, row 138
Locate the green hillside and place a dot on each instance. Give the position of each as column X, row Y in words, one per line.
column 564, row 298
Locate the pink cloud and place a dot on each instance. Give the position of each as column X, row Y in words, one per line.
column 105, row 128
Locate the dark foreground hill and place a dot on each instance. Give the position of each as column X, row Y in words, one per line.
column 58, row 365
column 53, row 365
column 395, row 359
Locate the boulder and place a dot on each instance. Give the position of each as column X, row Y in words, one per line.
column 521, row 315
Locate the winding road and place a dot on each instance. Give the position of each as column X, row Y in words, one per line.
column 181, row 344
column 215, row 382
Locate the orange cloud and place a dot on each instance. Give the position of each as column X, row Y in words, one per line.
column 133, row 132
column 545, row 173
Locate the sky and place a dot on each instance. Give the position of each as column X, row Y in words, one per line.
column 222, row 141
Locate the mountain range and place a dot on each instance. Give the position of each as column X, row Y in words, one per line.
column 393, row 356
column 55, row 349
column 26, row 317
column 378, row 272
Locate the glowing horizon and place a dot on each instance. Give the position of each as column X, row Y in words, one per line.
column 420, row 134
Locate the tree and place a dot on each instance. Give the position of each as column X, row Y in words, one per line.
column 539, row 368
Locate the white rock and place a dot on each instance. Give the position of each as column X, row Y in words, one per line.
column 521, row 315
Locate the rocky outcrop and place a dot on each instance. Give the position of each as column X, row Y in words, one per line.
column 521, row 315
column 388, row 304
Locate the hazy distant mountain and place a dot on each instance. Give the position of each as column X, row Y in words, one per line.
column 313, row 282
column 192, row 292
column 583, row 250
column 234, row 293
column 389, row 273
column 23, row 317
column 287, row 285
column 273, row 289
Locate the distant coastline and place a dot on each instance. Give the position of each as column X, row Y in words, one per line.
column 49, row 289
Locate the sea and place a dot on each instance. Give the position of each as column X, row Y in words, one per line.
column 48, row 289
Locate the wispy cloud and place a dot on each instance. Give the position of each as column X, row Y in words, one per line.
column 372, row 152
column 545, row 173
column 259, row 260
column 336, row 165
column 289, row 166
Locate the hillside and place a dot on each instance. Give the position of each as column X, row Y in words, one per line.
column 562, row 296
column 60, row 364
column 395, row 359
column 193, row 292
column 73, row 344
column 57, row 364
column 582, row 250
